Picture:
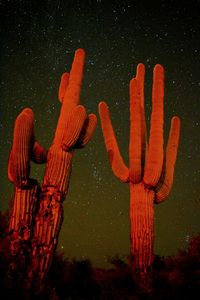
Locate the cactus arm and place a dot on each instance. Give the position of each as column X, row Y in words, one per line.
column 72, row 94
column 63, row 86
column 19, row 162
column 87, row 131
column 74, row 125
column 154, row 164
column 73, row 88
column 140, row 75
column 38, row 154
column 11, row 174
column 171, row 155
column 135, row 132
column 26, row 189
column 116, row 161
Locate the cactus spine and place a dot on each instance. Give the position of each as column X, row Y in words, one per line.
column 42, row 209
column 150, row 173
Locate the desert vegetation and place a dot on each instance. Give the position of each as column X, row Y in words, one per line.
column 171, row 277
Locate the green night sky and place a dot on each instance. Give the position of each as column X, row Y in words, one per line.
column 38, row 41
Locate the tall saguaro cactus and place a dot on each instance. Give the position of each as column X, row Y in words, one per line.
column 41, row 210
column 26, row 190
column 150, row 172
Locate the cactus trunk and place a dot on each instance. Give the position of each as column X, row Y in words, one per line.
column 141, row 227
column 50, row 215
column 21, row 219
column 48, row 225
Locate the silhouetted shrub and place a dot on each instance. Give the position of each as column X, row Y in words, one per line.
column 175, row 277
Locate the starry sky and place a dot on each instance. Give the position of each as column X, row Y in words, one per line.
column 38, row 40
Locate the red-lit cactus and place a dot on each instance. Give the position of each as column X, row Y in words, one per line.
column 150, row 172
column 41, row 211
column 26, row 192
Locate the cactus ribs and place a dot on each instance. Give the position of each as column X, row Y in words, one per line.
column 37, row 212
column 150, row 173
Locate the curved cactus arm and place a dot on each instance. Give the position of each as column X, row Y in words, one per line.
column 63, row 86
column 19, row 161
column 87, row 131
column 117, row 164
column 154, row 164
column 11, row 171
column 38, row 154
column 72, row 94
column 26, row 189
column 171, row 155
column 73, row 127
column 135, row 132
column 140, row 76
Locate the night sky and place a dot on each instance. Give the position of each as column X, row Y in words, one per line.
column 38, row 40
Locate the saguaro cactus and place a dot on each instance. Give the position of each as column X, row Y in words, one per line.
column 42, row 210
column 150, row 172
column 26, row 190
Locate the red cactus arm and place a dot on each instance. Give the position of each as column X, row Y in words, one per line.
column 135, row 132
column 171, row 155
column 140, row 75
column 74, row 125
column 72, row 94
column 63, row 86
column 39, row 154
column 26, row 189
column 87, row 131
column 19, row 162
column 118, row 166
column 153, row 168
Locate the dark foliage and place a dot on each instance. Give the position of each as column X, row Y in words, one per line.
column 176, row 277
